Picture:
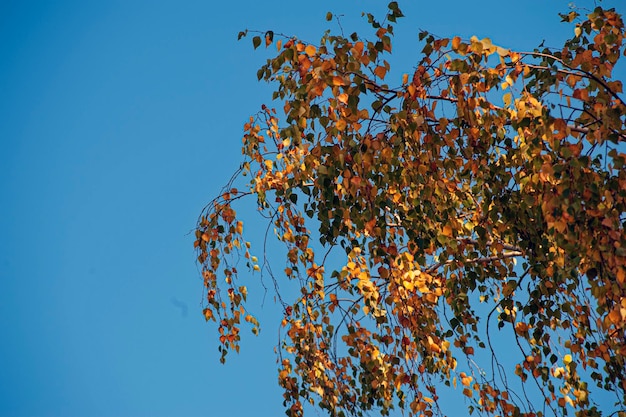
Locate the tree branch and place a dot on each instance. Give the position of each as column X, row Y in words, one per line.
column 504, row 255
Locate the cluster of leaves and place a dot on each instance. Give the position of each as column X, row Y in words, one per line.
column 486, row 191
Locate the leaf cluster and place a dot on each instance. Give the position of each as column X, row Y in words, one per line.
column 484, row 192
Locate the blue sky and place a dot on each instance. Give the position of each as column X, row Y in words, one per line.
column 120, row 120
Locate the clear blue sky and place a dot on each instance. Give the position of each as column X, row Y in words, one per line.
column 119, row 120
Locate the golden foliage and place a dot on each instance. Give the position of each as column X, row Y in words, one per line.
column 419, row 219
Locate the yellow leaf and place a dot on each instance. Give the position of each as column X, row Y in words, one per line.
column 536, row 106
column 447, row 231
column 343, row 98
column 310, row 50
column 405, row 78
column 477, row 45
column 580, row 395
column 507, row 99
column 341, row 124
column 577, row 31
column 567, row 359
column 502, row 51
column 488, row 47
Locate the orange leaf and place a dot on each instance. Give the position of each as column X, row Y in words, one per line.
column 615, row 317
column 337, row 80
column 380, row 71
column 358, row 48
column 456, row 41
column 310, row 50
column 521, row 328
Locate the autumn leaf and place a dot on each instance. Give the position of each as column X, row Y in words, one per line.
column 456, row 42
column 380, row 71
column 310, row 50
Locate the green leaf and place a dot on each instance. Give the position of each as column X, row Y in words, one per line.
column 256, row 41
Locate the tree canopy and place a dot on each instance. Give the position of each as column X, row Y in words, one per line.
column 426, row 218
